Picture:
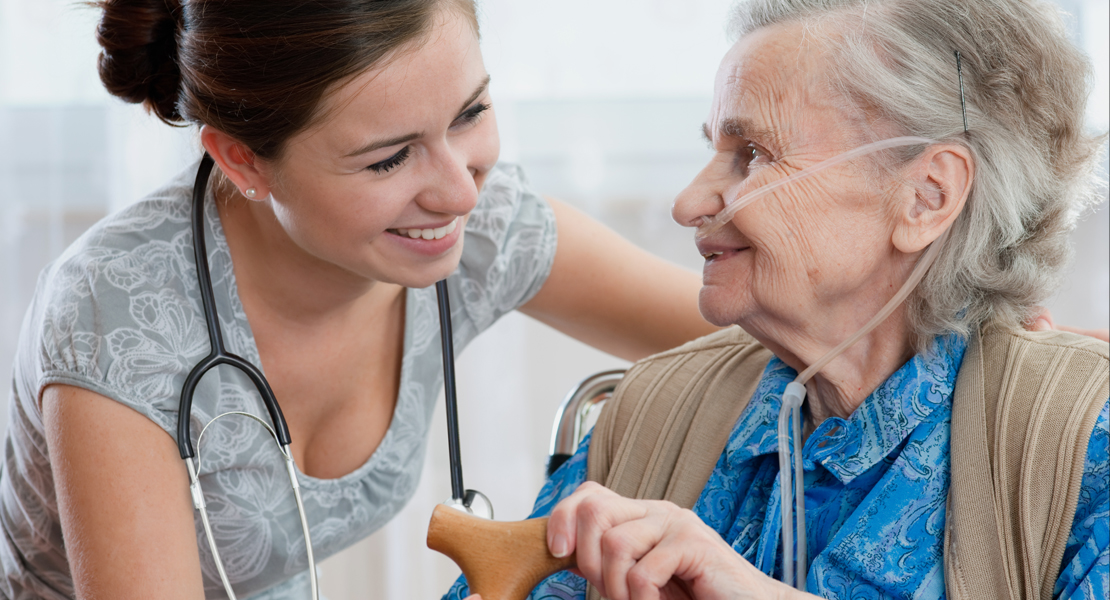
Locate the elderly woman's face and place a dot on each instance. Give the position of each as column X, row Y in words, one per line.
column 798, row 253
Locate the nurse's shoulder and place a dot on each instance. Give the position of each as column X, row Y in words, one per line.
column 118, row 312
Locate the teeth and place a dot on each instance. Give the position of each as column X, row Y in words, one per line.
column 430, row 234
column 710, row 255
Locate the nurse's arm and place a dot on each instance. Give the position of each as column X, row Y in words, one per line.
column 123, row 499
column 605, row 291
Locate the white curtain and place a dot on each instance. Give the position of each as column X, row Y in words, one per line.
column 600, row 100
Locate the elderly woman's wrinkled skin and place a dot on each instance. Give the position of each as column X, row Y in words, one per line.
column 801, row 270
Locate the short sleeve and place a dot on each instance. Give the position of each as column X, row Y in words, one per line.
column 117, row 313
column 508, row 250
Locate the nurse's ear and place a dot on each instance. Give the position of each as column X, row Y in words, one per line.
column 940, row 182
column 237, row 162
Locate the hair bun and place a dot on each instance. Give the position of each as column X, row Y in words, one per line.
column 139, row 60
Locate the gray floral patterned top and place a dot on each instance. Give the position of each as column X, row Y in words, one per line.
column 119, row 314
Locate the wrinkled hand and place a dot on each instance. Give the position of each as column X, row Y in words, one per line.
column 645, row 549
column 1042, row 321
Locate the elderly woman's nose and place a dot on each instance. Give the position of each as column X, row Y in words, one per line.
column 698, row 202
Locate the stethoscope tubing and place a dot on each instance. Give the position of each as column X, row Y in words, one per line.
column 280, row 431
column 219, row 354
column 443, row 296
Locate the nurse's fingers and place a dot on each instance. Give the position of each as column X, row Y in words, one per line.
column 1098, row 334
column 1042, row 320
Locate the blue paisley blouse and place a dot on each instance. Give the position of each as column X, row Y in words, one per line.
column 876, row 485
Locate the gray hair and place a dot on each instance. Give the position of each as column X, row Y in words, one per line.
column 1026, row 90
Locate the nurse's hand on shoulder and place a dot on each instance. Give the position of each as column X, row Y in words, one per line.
column 647, row 549
column 1042, row 321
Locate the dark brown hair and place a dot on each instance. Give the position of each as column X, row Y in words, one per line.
column 254, row 69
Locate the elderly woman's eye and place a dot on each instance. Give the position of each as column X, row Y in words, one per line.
column 754, row 153
column 748, row 155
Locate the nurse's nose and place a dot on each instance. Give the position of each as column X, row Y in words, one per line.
column 453, row 188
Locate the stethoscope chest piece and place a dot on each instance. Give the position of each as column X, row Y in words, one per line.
column 474, row 503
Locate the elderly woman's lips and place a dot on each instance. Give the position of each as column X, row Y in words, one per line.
column 721, row 253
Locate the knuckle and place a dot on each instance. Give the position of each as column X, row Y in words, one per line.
column 591, row 508
column 687, row 519
column 560, row 515
column 639, row 580
column 613, row 542
column 590, row 485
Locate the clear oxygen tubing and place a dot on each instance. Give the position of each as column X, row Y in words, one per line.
column 733, row 207
column 791, row 480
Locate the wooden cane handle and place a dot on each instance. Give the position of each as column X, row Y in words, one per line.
column 501, row 560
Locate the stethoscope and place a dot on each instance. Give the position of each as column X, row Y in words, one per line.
column 469, row 501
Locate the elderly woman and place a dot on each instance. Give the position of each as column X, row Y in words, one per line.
column 947, row 452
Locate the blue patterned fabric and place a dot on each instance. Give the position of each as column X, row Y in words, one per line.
column 1086, row 565
column 876, row 485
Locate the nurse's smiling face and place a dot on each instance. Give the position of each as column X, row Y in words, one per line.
column 381, row 186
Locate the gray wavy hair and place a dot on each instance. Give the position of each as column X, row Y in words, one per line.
column 1026, row 91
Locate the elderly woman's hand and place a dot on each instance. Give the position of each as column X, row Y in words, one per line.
column 651, row 549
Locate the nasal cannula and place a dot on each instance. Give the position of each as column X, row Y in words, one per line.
column 792, row 480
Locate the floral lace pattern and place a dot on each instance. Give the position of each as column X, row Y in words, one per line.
column 119, row 314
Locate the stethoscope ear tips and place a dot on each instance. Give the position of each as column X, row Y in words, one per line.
column 473, row 503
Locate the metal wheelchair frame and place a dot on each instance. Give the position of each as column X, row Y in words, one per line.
column 576, row 414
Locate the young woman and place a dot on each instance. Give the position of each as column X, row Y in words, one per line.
column 356, row 151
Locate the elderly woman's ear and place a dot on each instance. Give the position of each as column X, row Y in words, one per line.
column 939, row 181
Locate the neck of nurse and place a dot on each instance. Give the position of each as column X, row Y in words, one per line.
column 839, row 388
column 293, row 287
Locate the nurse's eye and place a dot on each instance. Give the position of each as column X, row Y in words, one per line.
column 390, row 163
column 471, row 115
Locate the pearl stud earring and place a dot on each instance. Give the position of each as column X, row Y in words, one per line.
column 250, row 193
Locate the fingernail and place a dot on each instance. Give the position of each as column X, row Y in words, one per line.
column 559, row 546
column 1042, row 324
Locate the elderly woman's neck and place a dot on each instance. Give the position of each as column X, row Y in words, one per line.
column 839, row 388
